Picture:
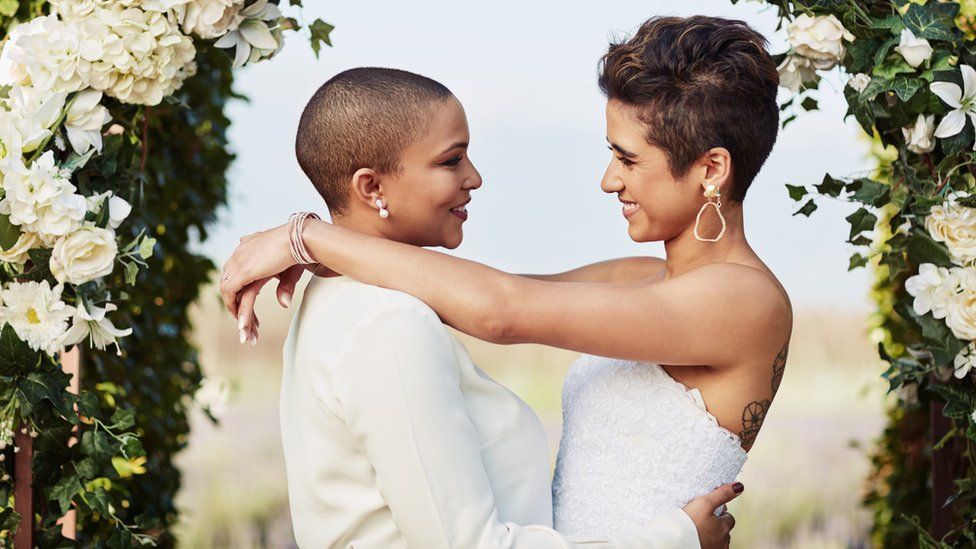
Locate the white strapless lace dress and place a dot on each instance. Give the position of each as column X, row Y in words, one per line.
column 635, row 443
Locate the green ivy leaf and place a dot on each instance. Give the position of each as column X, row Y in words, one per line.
column 922, row 249
column 892, row 68
column 131, row 270
column 797, row 192
column 870, row 192
column 16, row 356
column 123, row 419
column 935, row 21
column 857, row 260
column 65, row 490
column 146, row 247
column 96, row 445
column 807, row 208
column 861, row 220
column 320, row 31
column 830, row 186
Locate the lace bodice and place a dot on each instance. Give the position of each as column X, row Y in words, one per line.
column 635, row 443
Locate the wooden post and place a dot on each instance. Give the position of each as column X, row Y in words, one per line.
column 942, row 472
column 24, row 476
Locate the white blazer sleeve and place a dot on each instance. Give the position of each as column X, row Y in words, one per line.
column 399, row 390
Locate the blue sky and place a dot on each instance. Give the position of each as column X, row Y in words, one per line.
column 526, row 74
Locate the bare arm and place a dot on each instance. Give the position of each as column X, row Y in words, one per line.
column 673, row 322
column 623, row 269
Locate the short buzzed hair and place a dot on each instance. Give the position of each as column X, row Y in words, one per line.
column 362, row 118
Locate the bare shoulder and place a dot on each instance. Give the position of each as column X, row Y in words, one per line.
column 751, row 293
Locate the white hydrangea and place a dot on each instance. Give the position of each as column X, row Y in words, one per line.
column 134, row 55
column 36, row 313
column 84, row 121
column 34, row 112
column 94, row 326
column 85, row 254
column 210, row 18
column 11, row 143
column 859, row 82
column 253, row 38
column 43, row 200
column 934, row 289
column 74, row 9
column 44, row 53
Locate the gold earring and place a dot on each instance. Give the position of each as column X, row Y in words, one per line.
column 711, row 192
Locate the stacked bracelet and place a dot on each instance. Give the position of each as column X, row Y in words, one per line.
column 295, row 224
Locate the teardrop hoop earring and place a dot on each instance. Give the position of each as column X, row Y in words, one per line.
column 711, row 192
column 384, row 213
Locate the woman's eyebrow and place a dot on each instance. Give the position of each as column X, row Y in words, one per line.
column 458, row 145
column 621, row 150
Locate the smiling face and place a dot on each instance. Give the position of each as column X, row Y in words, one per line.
column 426, row 198
column 657, row 205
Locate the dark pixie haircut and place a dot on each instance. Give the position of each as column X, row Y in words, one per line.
column 696, row 83
column 362, row 118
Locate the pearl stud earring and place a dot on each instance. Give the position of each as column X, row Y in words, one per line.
column 384, row 213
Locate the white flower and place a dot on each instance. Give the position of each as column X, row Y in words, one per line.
column 18, row 252
column 75, row 9
column 934, row 289
column 795, row 71
column 34, row 112
column 919, row 138
column 118, row 208
column 213, row 394
column 859, row 81
column 43, row 53
column 133, row 55
column 961, row 312
column 915, row 50
column 819, row 38
column 86, row 254
column 35, row 311
column 965, row 360
column 96, row 327
column 960, row 100
column 11, row 143
column 43, row 200
column 84, row 121
column 253, row 38
column 210, row 18
column 955, row 225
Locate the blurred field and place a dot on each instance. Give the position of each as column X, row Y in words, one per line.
column 803, row 477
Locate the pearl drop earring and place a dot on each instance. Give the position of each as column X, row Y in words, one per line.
column 384, row 213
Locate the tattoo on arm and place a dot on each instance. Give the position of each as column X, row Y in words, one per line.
column 755, row 412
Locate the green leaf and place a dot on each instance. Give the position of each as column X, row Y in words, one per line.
column 870, row 192
column 807, row 209
column 76, row 161
column 922, row 249
column 8, row 8
column 65, row 490
column 797, row 192
column 861, row 220
column 123, row 418
column 40, row 265
column 96, row 445
column 892, row 68
column 131, row 270
column 320, row 31
column 146, row 247
column 934, row 20
column 9, row 233
column 857, row 260
column 809, row 104
column 16, row 356
column 830, row 186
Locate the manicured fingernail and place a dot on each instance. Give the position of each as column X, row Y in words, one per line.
column 254, row 338
column 286, row 297
column 738, row 487
column 240, row 322
column 243, row 335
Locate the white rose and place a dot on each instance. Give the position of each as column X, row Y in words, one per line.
column 819, row 38
column 955, row 225
column 961, row 317
column 210, row 18
column 859, row 81
column 919, row 138
column 934, row 289
column 84, row 121
column 43, row 53
column 795, row 71
column 86, row 254
column 18, row 252
column 915, row 50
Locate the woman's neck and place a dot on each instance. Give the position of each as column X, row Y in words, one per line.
column 685, row 252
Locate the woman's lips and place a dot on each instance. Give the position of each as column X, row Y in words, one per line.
column 630, row 208
column 460, row 211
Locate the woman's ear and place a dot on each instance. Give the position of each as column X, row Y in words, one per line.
column 717, row 162
column 366, row 187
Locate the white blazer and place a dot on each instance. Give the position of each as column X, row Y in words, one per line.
column 393, row 438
